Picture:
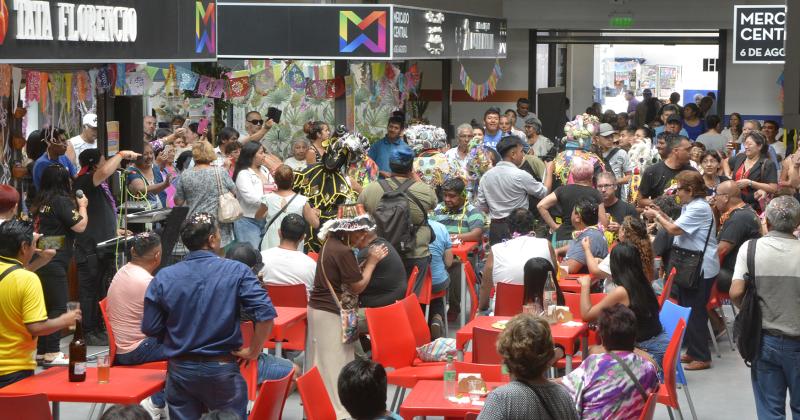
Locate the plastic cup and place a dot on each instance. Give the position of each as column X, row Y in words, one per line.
column 103, row 369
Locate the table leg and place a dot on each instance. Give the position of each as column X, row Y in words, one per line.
column 279, row 348
column 56, row 410
column 460, row 355
column 569, row 364
column 464, row 294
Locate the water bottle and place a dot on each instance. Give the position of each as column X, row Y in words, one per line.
column 450, row 382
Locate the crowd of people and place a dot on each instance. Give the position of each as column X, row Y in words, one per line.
column 621, row 198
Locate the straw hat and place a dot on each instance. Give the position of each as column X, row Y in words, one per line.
column 349, row 218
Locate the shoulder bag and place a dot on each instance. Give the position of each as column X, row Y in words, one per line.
column 747, row 324
column 283, row 209
column 229, row 208
column 688, row 263
column 349, row 317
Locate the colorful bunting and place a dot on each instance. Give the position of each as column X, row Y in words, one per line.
column 479, row 91
column 187, row 79
column 135, row 83
column 239, row 87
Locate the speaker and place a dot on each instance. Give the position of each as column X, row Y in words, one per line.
column 129, row 111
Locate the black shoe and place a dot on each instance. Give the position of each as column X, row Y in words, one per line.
column 437, row 327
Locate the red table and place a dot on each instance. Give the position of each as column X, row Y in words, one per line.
column 462, row 251
column 288, row 316
column 427, row 399
column 571, row 284
column 126, row 386
column 563, row 335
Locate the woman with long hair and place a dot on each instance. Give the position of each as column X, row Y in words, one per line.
column 277, row 204
column 711, row 163
column 734, row 129
column 57, row 215
column 253, row 181
column 536, row 271
column 634, row 291
column 634, row 231
column 318, row 133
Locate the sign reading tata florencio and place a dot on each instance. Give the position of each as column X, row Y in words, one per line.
column 759, row 34
column 39, row 31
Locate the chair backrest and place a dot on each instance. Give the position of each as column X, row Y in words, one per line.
column 293, row 295
column 272, row 398
column 573, row 301
column 411, row 278
column 316, row 401
column 472, row 280
column 313, row 255
column 31, row 406
column 112, row 345
column 649, row 407
column 484, row 346
column 489, row 373
column 667, row 288
column 508, row 299
column 249, row 369
column 393, row 343
column 671, row 356
column 416, row 320
column 670, row 314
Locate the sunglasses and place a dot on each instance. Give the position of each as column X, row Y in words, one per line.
column 256, row 122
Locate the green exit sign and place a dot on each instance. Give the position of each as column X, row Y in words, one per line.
column 621, row 21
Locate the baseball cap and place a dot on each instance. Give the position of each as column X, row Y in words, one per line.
column 90, row 120
column 606, row 130
column 507, row 143
column 674, row 118
column 401, row 155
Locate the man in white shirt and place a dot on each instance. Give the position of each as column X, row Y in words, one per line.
column 285, row 265
column 87, row 139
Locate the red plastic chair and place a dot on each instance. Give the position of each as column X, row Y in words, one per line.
column 472, row 281
column 112, row 344
column 649, row 407
column 249, row 368
column 31, row 406
column 508, row 299
column 573, row 301
column 471, row 416
column 489, row 373
column 293, row 296
column 272, row 398
column 667, row 288
column 416, row 319
column 715, row 300
column 484, row 346
column 314, row 256
column 316, row 401
column 667, row 392
column 394, row 346
column 411, row 278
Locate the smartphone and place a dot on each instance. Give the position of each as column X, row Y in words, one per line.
column 202, row 126
column 274, row 114
column 187, row 122
column 50, row 242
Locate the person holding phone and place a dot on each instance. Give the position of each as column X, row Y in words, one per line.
column 58, row 215
column 255, row 126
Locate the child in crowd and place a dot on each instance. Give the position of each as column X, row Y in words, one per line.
column 298, row 160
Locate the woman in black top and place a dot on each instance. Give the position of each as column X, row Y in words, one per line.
column 635, row 292
column 710, row 162
column 754, row 172
column 57, row 215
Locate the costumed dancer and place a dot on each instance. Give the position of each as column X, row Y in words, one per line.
column 431, row 165
column 578, row 134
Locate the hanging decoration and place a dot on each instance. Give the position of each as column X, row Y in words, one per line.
column 187, row 79
column 479, row 91
column 5, row 80
column 294, row 77
column 135, row 83
column 239, row 85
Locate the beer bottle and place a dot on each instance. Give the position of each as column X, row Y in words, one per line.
column 77, row 355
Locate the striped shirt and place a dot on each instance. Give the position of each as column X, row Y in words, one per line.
column 460, row 221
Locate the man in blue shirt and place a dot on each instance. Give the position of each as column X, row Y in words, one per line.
column 441, row 258
column 383, row 148
column 585, row 217
column 491, row 132
column 667, row 113
column 56, row 140
column 192, row 308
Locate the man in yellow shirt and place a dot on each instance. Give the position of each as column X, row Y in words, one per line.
column 23, row 316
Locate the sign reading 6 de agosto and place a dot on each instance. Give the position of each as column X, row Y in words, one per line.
column 69, row 31
column 759, row 34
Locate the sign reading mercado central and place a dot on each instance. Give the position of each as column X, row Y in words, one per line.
column 130, row 30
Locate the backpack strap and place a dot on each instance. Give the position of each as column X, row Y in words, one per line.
column 9, row 270
column 751, row 263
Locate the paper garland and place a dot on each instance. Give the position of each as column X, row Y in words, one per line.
column 187, row 79
column 479, row 91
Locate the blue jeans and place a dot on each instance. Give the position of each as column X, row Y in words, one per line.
column 656, row 347
column 250, row 230
column 271, row 368
column 196, row 387
column 148, row 351
column 773, row 372
column 12, row 377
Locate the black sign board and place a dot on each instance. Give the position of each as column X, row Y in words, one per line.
column 98, row 31
column 355, row 32
column 312, row 31
column 759, row 34
column 435, row 34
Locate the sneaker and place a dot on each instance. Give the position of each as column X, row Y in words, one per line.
column 59, row 360
column 96, row 338
column 155, row 412
column 437, row 327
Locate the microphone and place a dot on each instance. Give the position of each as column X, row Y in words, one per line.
column 79, row 193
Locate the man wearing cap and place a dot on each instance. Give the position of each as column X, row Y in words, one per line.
column 615, row 158
column 505, row 188
column 538, row 144
column 670, row 117
column 401, row 163
column 87, row 139
column 56, row 141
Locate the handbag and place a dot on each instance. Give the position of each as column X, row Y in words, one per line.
column 688, row 263
column 747, row 324
column 229, row 208
column 283, row 209
column 349, row 317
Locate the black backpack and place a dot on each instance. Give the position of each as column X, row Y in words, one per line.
column 393, row 217
column 747, row 325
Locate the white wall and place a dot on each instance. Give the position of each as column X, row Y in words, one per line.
column 751, row 89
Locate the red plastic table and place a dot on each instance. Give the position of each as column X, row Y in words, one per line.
column 571, row 284
column 462, row 251
column 427, row 399
column 563, row 335
column 287, row 317
column 125, row 386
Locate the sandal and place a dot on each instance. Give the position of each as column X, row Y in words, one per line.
column 55, row 359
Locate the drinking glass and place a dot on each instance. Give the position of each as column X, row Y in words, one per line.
column 103, row 369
